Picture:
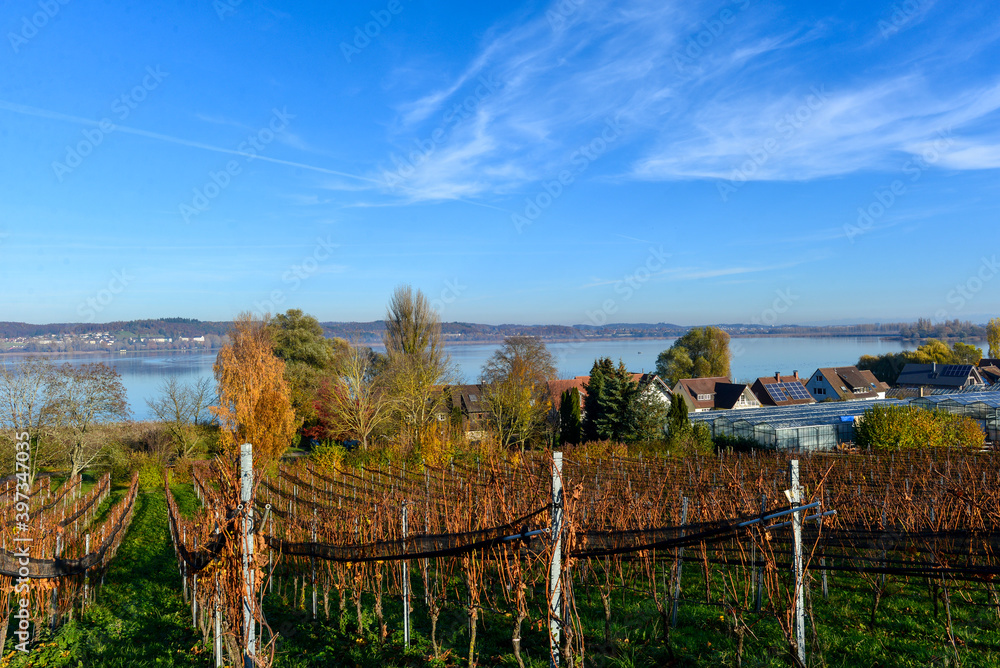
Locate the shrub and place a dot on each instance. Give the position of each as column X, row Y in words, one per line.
column 910, row 427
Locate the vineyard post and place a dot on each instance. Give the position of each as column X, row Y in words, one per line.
column 555, row 570
column 246, row 491
column 760, row 568
column 406, row 584
column 218, row 625
column 194, row 592
column 184, row 568
column 680, row 565
column 799, row 619
column 822, row 560
column 313, row 559
column 86, row 576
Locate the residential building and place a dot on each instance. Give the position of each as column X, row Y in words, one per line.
column 778, row 390
column 844, row 383
column 705, row 394
column 934, row 375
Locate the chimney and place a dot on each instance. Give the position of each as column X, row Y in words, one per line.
column 933, row 367
column 777, row 376
column 922, row 389
column 795, row 374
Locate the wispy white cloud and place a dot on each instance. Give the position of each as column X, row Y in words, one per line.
column 695, row 112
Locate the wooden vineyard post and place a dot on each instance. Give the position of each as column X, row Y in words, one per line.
column 680, row 564
column 555, row 570
column 246, row 491
column 798, row 617
column 406, row 582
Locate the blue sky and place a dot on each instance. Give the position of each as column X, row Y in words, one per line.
column 520, row 162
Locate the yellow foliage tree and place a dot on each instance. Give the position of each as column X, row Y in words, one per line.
column 254, row 398
column 993, row 337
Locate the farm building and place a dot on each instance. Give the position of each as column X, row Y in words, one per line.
column 806, row 427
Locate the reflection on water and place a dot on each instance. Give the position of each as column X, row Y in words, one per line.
column 143, row 373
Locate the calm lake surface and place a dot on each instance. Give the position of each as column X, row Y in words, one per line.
column 143, row 373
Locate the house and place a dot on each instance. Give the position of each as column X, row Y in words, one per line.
column 465, row 407
column 989, row 369
column 844, row 383
column 557, row 387
column 654, row 387
column 704, row 394
column 934, row 375
column 778, row 390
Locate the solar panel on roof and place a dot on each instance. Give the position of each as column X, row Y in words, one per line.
column 956, row 370
column 776, row 392
column 795, row 390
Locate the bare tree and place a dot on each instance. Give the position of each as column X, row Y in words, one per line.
column 26, row 406
column 86, row 397
column 357, row 402
column 417, row 364
column 180, row 407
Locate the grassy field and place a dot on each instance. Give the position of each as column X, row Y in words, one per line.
column 139, row 619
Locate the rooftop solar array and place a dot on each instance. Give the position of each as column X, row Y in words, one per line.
column 786, row 391
column 959, row 370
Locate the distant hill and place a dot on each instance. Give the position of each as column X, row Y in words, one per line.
column 371, row 332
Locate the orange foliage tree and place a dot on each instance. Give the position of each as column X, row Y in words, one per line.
column 254, row 399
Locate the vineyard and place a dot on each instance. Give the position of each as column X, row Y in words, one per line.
column 56, row 549
column 545, row 545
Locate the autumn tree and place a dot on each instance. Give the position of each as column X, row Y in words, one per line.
column 180, row 407
column 515, row 388
column 993, row 337
column 85, row 398
column 356, row 402
column 702, row 352
column 310, row 358
column 416, row 363
column 254, row 399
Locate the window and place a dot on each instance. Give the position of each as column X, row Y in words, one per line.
column 704, row 397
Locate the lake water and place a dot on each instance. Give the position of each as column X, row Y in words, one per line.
column 143, row 373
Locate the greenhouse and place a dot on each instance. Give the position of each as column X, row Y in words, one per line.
column 806, row 428
column 983, row 407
